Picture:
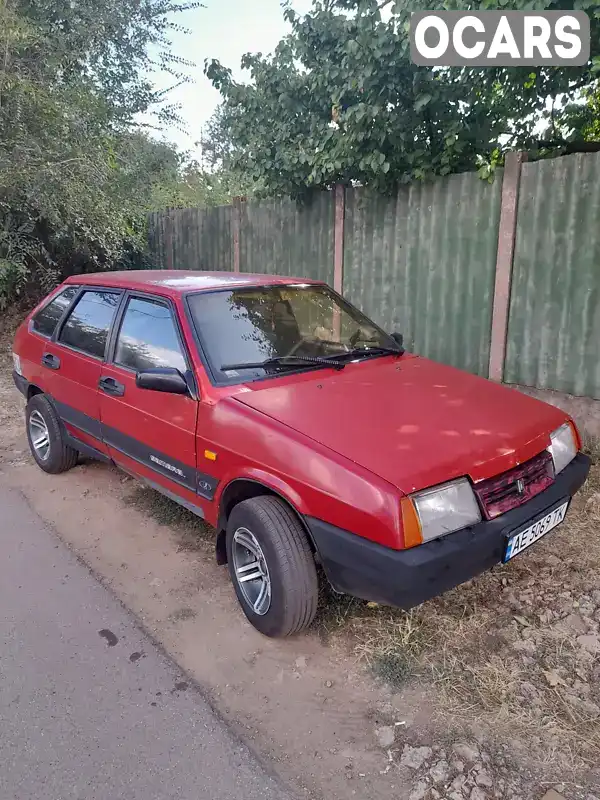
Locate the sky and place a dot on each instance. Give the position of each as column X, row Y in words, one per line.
column 225, row 30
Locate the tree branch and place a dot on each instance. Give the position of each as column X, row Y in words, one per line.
column 569, row 147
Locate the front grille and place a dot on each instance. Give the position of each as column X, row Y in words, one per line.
column 513, row 488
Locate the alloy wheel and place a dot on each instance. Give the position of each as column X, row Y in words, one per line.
column 251, row 571
column 39, row 434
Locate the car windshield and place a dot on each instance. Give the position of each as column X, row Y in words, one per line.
column 250, row 326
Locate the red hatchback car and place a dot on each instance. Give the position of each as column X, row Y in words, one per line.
column 299, row 429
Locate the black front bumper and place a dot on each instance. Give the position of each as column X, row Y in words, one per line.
column 405, row 578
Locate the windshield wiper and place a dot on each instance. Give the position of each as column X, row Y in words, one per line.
column 285, row 361
column 378, row 351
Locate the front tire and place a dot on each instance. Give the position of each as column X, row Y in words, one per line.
column 45, row 437
column 271, row 566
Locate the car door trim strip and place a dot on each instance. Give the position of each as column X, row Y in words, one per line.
column 190, row 478
column 78, row 419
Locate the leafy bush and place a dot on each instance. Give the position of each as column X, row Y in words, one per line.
column 76, row 174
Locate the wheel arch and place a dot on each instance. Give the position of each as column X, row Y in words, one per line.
column 32, row 390
column 240, row 489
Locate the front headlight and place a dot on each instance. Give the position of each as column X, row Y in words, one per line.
column 446, row 508
column 564, row 446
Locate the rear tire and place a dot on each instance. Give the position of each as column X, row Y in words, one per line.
column 265, row 539
column 45, row 437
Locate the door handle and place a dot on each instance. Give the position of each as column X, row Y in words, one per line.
column 112, row 387
column 50, row 361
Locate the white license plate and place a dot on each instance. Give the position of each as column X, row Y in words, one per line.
column 523, row 539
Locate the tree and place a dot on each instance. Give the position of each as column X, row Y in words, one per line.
column 76, row 173
column 340, row 101
column 575, row 124
column 195, row 186
column 217, row 150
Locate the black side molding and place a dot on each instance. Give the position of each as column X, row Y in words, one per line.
column 86, row 450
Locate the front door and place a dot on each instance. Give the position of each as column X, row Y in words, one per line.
column 74, row 363
column 149, row 433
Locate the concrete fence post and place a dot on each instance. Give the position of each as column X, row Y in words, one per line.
column 338, row 238
column 169, row 239
column 504, row 262
column 236, row 222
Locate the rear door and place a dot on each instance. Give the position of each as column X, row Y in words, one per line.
column 35, row 344
column 72, row 362
column 147, row 432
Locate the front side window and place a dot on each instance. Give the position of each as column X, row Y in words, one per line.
column 148, row 337
column 46, row 319
column 249, row 326
column 88, row 324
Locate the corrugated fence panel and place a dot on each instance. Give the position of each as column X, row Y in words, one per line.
column 191, row 238
column 422, row 263
column 280, row 237
column 216, row 250
column 155, row 241
column 554, row 323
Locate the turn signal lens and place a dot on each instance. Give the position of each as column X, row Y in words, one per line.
column 411, row 526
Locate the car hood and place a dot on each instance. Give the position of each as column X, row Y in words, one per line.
column 413, row 422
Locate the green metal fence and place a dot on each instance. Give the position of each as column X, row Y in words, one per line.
column 191, row 238
column 422, row 262
column 554, row 322
column 282, row 237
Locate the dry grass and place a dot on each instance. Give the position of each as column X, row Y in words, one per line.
column 500, row 650
column 191, row 531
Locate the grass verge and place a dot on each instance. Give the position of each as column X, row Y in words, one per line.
column 514, row 647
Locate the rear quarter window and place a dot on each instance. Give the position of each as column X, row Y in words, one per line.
column 88, row 324
column 46, row 319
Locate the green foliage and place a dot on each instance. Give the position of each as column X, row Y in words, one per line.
column 340, row 101
column 486, row 167
column 576, row 121
column 196, row 187
column 76, row 174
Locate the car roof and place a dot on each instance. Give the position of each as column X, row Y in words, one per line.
column 177, row 282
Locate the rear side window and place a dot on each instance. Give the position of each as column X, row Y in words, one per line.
column 46, row 319
column 88, row 324
column 148, row 337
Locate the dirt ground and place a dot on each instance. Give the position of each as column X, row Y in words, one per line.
column 492, row 691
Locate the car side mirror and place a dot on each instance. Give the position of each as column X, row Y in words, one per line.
column 399, row 339
column 164, row 379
